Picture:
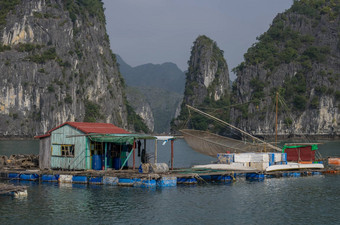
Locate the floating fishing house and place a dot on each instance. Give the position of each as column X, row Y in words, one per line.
column 84, row 146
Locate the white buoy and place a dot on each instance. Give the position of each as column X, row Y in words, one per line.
column 20, row 194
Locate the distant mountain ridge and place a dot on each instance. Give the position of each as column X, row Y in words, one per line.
column 155, row 91
column 165, row 76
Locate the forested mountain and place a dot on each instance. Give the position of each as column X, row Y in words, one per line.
column 166, row 76
column 155, row 92
column 298, row 57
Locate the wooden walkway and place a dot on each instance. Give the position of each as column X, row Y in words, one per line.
column 10, row 188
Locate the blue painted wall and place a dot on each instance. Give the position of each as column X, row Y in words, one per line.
column 81, row 159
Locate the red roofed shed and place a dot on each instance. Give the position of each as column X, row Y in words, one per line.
column 69, row 146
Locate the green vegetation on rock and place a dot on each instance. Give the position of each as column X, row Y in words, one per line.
column 79, row 7
column 5, row 7
column 212, row 97
column 28, row 47
column 298, row 57
column 135, row 120
column 92, row 112
column 49, row 54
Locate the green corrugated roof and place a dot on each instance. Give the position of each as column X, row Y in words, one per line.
column 314, row 147
column 118, row 138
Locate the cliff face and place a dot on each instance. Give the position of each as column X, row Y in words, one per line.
column 207, row 76
column 141, row 106
column 56, row 66
column 299, row 57
column 207, row 81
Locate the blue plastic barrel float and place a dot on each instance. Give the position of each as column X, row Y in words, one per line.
column 95, row 180
column 167, row 182
column 186, row 180
column 97, row 162
column 14, row 176
column 30, row 177
column 254, row 177
column 79, row 179
column 50, row 178
column 116, row 163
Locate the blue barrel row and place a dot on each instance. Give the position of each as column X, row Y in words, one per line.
column 136, row 182
column 139, row 182
column 98, row 162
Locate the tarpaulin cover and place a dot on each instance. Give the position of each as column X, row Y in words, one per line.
column 314, row 147
column 300, row 153
column 119, row 138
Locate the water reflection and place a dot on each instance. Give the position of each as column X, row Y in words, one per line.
column 9, row 147
column 277, row 200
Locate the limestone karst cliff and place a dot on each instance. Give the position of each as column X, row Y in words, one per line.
column 55, row 66
column 207, row 82
column 141, row 106
column 299, row 57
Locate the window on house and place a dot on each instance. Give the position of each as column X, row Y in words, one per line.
column 67, row 150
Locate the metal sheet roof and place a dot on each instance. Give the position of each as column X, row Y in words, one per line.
column 119, row 138
column 87, row 128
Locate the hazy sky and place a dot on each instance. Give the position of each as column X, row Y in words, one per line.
column 158, row 31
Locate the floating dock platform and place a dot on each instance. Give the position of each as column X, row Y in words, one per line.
column 132, row 178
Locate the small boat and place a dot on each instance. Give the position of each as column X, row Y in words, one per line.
column 334, row 161
column 294, row 166
column 232, row 167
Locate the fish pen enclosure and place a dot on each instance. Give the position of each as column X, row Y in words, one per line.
column 211, row 144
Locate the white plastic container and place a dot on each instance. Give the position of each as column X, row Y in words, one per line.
column 65, row 178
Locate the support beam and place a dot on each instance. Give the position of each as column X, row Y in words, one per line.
column 126, row 160
column 172, row 154
column 105, row 161
column 155, row 151
column 134, row 155
column 145, row 145
column 86, row 145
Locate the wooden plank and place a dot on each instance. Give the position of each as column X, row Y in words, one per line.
column 8, row 188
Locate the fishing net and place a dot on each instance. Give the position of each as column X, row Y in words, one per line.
column 210, row 144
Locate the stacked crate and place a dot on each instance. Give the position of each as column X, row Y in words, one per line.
column 257, row 161
column 225, row 158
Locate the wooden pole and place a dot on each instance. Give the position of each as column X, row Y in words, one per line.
column 155, row 161
column 228, row 124
column 277, row 106
column 134, row 155
column 105, row 161
column 86, row 144
column 145, row 145
column 172, row 154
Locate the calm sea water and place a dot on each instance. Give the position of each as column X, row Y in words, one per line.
column 304, row 200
